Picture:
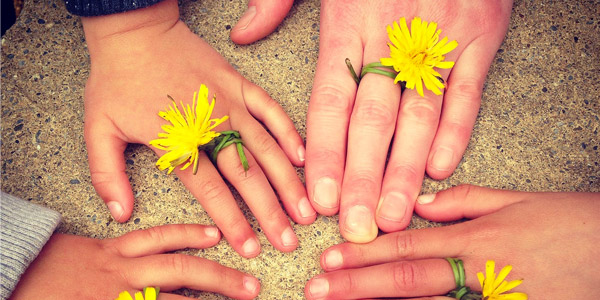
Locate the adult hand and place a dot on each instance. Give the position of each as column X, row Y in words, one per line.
column 349, row 127
column 137, row 59
column 550, row 239
column 74, row 267
column 259, row 20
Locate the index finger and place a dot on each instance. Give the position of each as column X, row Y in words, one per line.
column 329, row 110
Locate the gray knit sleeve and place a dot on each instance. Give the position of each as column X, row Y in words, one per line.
column 25, row 228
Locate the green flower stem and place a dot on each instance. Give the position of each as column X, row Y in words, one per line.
column 375, row 67
column 227, row 138
column 352, row 72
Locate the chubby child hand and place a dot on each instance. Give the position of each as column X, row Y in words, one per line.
column 140, row 56
column 75, row 267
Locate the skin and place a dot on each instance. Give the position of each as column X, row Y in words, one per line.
column 74, row 267
column 548, row 238
column 344, row 172
column 139, row 57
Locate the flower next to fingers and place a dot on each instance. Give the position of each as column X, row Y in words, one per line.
column 191, row 132
column 494, row 288
column 414, row 55
column 150, row 293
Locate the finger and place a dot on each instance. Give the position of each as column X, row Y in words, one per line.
column 270, row 113
column 461, row 105
column 370, row 131
column 165, row 238
column 259, row 196
column 216, row 198
column 278, row 169
column 329, row 111
column 259, row 20
column 416, row 126
column 465, row 201
column 397, row 279
column 107, row 167
column 402, row 245
column 174, row 271
column 165, row 296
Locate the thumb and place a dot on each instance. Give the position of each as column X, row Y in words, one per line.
column 464, row 201
column 107, row 169
column 259, row 20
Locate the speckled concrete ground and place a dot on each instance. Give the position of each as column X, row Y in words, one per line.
column 537, row 129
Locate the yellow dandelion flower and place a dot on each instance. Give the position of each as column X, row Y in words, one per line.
column 493, row 287
column 414, row 54
column 187, row 132
column 150, row 293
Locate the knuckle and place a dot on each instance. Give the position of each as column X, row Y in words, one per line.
column 265, row 143
column 374, row 113
column 405, row 276
column 421, row 110
column 466, row 92
column 349, row 283
column 404, row 245
column 404, row 173
column 156, row 235
column 211, row 189
column 331, row 99
column 364, row 183
column 178, row 263
column 459, row 130
column 326, row 156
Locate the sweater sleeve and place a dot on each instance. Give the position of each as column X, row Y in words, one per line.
column 89, row 8
column 25, row 229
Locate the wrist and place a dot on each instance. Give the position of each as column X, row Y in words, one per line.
column 118, row 33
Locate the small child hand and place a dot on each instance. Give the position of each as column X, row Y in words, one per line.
column 133, row 68
column 75, row 267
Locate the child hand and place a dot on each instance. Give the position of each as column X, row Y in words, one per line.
column 139, row 57
column 75, row 267
column 549, row 239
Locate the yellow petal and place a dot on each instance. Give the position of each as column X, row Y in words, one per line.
column 124, row 295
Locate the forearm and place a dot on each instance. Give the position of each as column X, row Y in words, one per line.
column 26, row 228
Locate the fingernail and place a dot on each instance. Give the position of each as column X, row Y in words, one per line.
column 319, row 288
column 250, row 284
column 306, row 210
column 333, row 259
column 392, row 207
column 442, row 159
column 301, row 152
column 426, row 198
column 246, row 18
column 326, row 192
column 251, row 247
column 116, row 210
column 211, row 232
column 288, row 237
column 359, row 222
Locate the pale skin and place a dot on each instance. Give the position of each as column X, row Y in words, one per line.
column 140, row 57
column 75, row 267
column 345, row 173
column 549, row 238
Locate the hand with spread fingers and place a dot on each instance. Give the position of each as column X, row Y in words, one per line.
column 425, row 128
column 137, row 59
column 549, row 239
column 75, row 267
column 369, row 145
